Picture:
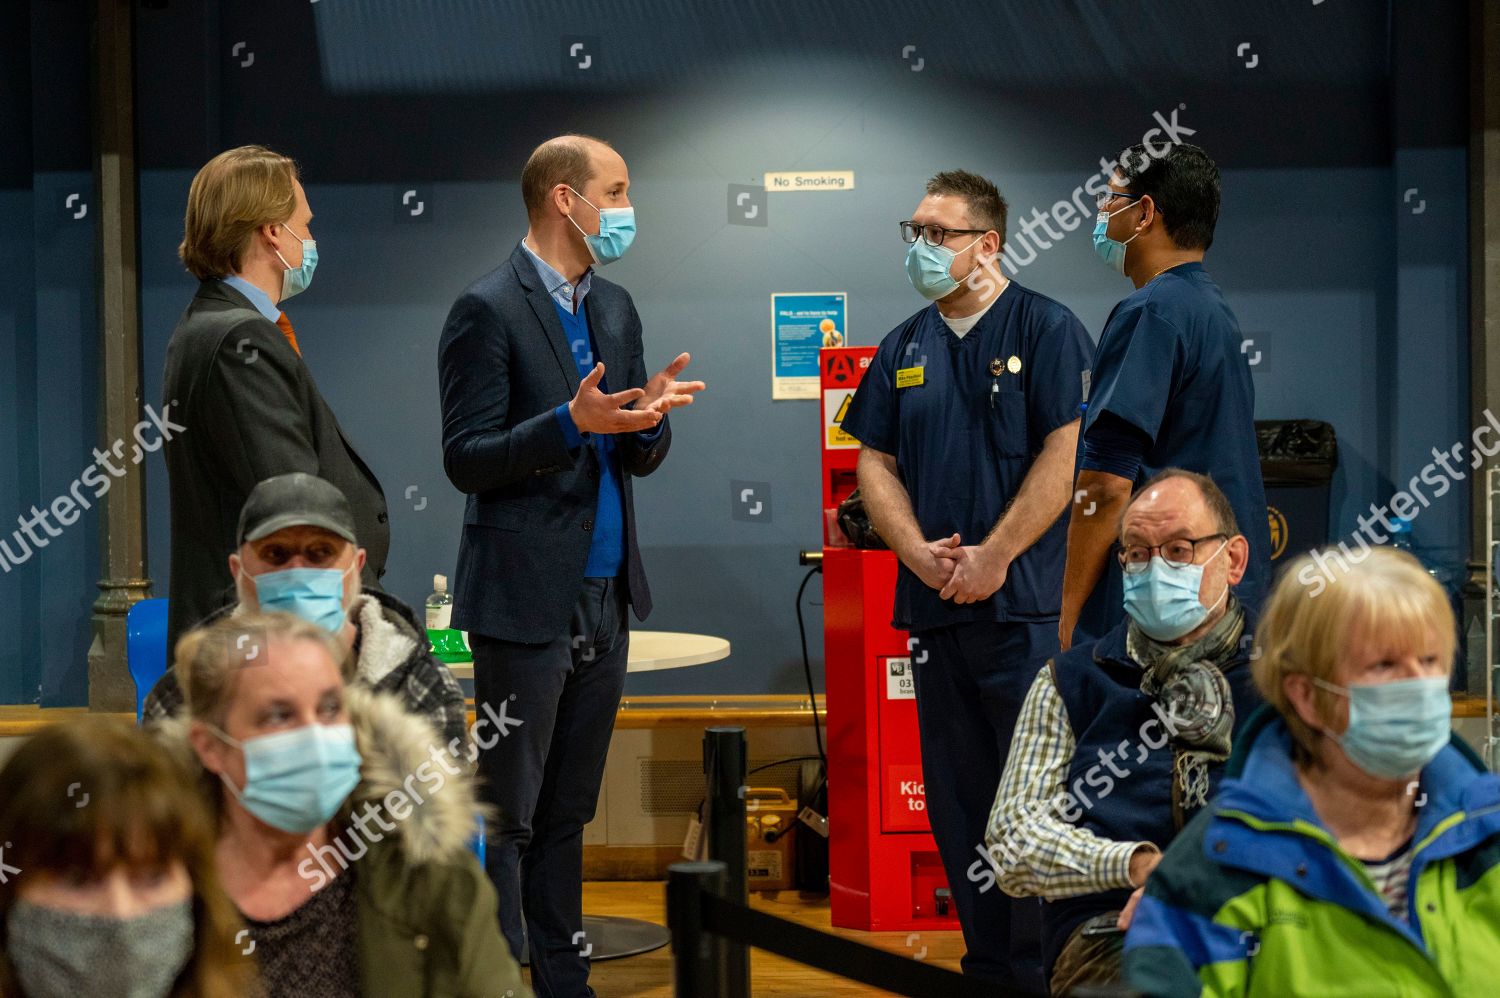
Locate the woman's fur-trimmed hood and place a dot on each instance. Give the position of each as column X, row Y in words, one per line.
column 404, row 756
column 403, row 779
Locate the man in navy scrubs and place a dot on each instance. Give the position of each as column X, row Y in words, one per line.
column 1171, row 384
column 968, row 421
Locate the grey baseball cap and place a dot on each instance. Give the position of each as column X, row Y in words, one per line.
column 295, row 500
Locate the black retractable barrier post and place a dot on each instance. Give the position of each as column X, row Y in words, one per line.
column 697, row 956
column 724, row 767
column 705, row 924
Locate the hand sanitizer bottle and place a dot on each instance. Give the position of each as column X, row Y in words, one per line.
column 439, row 605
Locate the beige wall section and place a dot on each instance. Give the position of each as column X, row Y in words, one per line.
column 641, row 818
column 1484, row 238
column 1484, row 262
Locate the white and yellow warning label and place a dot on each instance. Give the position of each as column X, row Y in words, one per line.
column 835, row 407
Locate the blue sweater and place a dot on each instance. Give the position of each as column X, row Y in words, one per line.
column 607, row 550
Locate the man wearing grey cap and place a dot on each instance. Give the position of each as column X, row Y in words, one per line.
column 298, row 554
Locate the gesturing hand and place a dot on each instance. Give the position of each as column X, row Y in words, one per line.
column 595, row 412
column 664, row 392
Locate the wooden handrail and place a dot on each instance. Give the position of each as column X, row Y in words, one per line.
column 763, row 710
column 677, row 711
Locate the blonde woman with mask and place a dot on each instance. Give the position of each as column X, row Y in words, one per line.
column 343, row 823
column 1353, row 849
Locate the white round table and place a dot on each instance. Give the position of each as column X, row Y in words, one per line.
column 651, row 651
column 614, row 936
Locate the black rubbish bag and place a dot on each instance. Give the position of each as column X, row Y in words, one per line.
column 1297, row 460
column 856, row 525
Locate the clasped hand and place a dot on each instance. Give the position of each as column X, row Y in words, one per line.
column 963, row 574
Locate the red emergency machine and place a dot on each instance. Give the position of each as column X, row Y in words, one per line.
column 884, row 869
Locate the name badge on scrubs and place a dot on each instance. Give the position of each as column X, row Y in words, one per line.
column 909, row 377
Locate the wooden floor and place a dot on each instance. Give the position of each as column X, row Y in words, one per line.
column 650, row 975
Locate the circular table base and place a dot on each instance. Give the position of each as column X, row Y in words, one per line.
column 613, row 937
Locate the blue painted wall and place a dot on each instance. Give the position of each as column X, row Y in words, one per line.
column 49, row 354
column 1356, row 303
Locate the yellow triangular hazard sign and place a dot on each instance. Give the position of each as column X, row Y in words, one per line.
column 843, row 409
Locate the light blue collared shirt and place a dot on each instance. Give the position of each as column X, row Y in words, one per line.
column 262, row 301
column 563, row 291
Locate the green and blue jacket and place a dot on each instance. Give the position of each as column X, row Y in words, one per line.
column 1255, row 897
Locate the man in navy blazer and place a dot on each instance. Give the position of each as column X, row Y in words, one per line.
column 548, row 561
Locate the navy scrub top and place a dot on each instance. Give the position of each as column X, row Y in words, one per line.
column 1170, row 364
column 965, row 438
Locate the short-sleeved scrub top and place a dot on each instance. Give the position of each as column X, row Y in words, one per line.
column 1170, row 364
column 965, row 418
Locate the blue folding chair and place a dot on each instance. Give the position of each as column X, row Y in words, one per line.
column 146, row 647
column 477, row 846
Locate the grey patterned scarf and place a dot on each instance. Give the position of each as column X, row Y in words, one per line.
column 1188, row 682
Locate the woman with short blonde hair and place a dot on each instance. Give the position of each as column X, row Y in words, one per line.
column 1305, row 627
column 1354, row 847
column 343, row 831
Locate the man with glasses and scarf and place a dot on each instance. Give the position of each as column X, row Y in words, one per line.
column 1122, row 740
column 1171, row 378
column 968, row 423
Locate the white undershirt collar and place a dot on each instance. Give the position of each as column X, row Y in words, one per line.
column 962, row 326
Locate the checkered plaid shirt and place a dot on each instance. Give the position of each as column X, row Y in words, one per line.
column 420, row 681
column 1035, row 851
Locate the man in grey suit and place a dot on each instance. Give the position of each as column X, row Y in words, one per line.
column 548, row 560
column 235, row 378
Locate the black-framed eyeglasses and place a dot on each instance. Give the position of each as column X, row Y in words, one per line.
column 934, row 235
column 1105, row 197
column 1177, row 553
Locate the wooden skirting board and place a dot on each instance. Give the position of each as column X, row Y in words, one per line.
column 600, row 862
column 761, row 710
column 22, row 719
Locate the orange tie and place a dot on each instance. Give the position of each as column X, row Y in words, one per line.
column 285, row 325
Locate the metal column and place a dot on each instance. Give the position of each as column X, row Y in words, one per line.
column 123, row 546
column 1484, row 243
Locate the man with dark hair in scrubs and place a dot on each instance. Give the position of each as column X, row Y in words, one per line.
column 968, row 425
column 1171, row 384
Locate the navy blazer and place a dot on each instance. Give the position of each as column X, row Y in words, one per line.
column 504, row 365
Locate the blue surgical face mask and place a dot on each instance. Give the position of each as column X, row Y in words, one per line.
column 294, row 280
column 927, row 268
column 314, row 594
column 1111, row 251
column 295, row 780
column 616, row 232
column 1163, row 600
column 1395, row 728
